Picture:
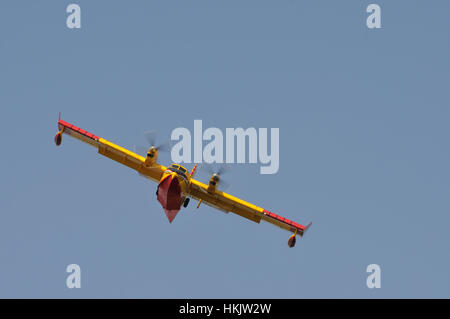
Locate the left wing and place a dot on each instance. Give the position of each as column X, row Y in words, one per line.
column 111, row 150
column 228, row 203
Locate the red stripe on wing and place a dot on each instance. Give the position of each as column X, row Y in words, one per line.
column 74, row 128
column 284, row 220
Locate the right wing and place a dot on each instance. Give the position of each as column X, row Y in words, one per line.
column 111, row 150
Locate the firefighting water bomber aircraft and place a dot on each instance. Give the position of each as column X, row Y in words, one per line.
column 176, row 185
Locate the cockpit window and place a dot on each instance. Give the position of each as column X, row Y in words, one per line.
column 178, row 169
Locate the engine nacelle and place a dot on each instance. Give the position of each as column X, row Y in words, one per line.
column 152, row 156
column 213, row 182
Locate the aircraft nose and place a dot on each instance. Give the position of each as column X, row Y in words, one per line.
column 169, row 196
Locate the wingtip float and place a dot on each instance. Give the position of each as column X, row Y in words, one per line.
column 176, row 184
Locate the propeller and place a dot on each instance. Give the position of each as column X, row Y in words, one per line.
column 151, row 137
column 216, row 172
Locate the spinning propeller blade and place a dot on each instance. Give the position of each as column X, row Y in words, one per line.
column 219, row 169
column 151, row 137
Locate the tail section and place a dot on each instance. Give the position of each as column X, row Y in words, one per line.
column 192, row 173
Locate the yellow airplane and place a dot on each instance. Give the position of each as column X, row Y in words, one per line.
column 176, row 185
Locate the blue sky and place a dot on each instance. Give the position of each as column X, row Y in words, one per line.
column 363, row 118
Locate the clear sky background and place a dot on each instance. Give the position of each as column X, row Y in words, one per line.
column 364, row 147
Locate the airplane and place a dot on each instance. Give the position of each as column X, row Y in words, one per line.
column 176, row 185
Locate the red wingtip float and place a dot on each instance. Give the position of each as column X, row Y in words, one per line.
column 176, row 185
column 58, row 136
